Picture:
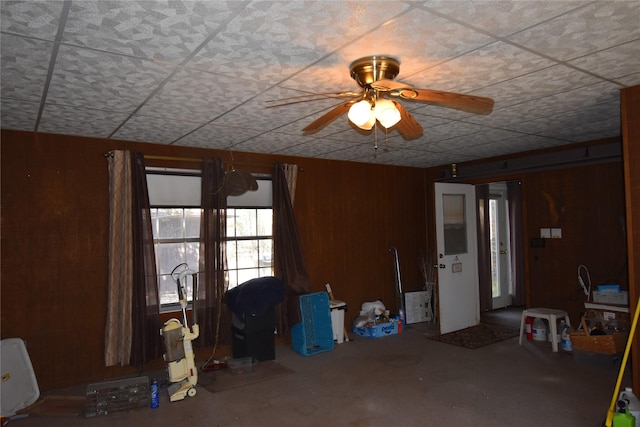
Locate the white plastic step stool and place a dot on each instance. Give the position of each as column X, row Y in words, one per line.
column 552, row 316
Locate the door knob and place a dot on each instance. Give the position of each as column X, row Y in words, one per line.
column 442, row 266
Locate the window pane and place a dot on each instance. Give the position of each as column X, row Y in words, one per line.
column 266, row 253
column 246, row 222
column 154, row 221
column 169, row 223
column 231, row 222
column 169, row 255
column 247, row 253
column 167, row 290
column 193, row 255
column 265, row 222
column 455, row 224
column 232, row 255
column 192, row 223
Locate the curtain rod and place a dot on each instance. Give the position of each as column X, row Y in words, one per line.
column 192, row 159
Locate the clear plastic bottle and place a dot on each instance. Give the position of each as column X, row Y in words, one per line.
column 539, row 330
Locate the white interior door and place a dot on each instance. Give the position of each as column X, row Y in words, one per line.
column 458, row 294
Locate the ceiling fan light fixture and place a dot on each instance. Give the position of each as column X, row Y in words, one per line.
column 360, row 114
column 387, row 113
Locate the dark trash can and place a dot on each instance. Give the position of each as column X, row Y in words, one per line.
column 253, row 318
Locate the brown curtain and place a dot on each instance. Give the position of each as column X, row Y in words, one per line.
column 289, row 263
column 514, row 194
column 211, row 313
column 146, row 343
column 119, row 295
column 484, row 247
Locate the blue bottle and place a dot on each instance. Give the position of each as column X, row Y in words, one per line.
column 155, row 402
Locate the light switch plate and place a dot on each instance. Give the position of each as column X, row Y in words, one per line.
column 556, row 233
column 545, row 233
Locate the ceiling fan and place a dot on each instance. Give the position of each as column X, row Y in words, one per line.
column 377, row 102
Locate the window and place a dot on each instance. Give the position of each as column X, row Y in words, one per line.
column 174, row 197
column 250, row 235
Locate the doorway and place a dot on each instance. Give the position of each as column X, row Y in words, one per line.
column 501, row 285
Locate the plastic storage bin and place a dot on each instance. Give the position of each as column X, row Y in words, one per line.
column 337, row 319
column 314, row 334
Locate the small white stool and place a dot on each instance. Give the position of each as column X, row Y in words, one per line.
column 552, row 317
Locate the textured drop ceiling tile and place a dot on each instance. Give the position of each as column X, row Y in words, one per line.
column 79, row 121
column 270, row 142
column 270, row 41
column 612, row 63
column 308, row 147
column 500, row 17
column 216, row 137
column 536, row 85
column 419, row 40
column 255, row 114
column 93, row 79
column 37, row 19
column 630, row 80
column 549, row 107
column 152, row 129
column 482, row 67
column 598, row 26
column 159, row 30
column 19, row 115
column 25, row 64
column 199, row 96
column 583, row 118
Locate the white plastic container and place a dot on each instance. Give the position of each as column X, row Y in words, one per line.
column 337, row 319
column 539, row 330
column 634, row 403
column 19, row 387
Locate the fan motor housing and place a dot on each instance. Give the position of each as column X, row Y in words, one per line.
column 373, row 68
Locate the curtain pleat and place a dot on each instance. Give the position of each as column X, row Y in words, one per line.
column 212, row 314
column 291, row 176
column 484, row 247
column 289, row 262
column 118, row 330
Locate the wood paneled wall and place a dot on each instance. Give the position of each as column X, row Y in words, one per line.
column 54, row 238
column 630, row 106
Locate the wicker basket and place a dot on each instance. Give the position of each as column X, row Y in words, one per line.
column 607, row 344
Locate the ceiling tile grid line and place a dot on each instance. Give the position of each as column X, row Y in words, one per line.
column 200, row 73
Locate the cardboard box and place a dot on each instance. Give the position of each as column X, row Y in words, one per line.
column 379, row 330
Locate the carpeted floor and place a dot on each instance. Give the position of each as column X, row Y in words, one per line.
column 219, row 381
column 477, row 336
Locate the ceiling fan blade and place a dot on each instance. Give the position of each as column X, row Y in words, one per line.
column 408, row 126
column 327, row 118
column 317, row 97
column 469, row 103
column 387, row 85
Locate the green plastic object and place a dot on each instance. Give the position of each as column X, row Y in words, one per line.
column 624, row 419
